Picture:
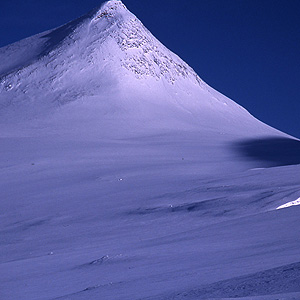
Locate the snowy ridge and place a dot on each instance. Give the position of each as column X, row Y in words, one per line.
column 107, row 47
column 140, row 53
column 144, row 55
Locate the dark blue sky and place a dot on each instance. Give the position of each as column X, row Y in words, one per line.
column 247, row 49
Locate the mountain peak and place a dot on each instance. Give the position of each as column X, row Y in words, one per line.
column 132, row 45
column 113, row 4
column 110, row 9
column 108, row 36
column 109, row 49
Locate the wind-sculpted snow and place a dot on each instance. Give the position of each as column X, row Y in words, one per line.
column 123, row 176
column 281, row 280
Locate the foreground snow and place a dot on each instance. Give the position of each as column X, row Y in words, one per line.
column 116, row 183
column 177, row 224
column 289, row 204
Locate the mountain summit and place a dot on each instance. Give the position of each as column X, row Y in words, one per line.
column 107, row 60
column 141, row 53
column 109, row 36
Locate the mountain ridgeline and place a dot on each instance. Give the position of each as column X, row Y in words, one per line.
column 110, row 56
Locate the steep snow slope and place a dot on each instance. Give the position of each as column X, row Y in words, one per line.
column 110, row 55
column 124, row 176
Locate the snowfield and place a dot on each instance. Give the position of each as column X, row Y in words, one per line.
column 124, row 176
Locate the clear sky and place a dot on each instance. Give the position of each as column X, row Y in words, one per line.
column 248, row 50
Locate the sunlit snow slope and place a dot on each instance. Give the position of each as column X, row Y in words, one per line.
column 124, row 176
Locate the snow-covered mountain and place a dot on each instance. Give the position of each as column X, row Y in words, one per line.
column 108, row 54
column 124, row 176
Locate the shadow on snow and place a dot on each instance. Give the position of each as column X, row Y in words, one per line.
column 270, row 151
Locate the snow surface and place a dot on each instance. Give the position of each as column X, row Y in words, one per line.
column 289, row 204
column 124, row 176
